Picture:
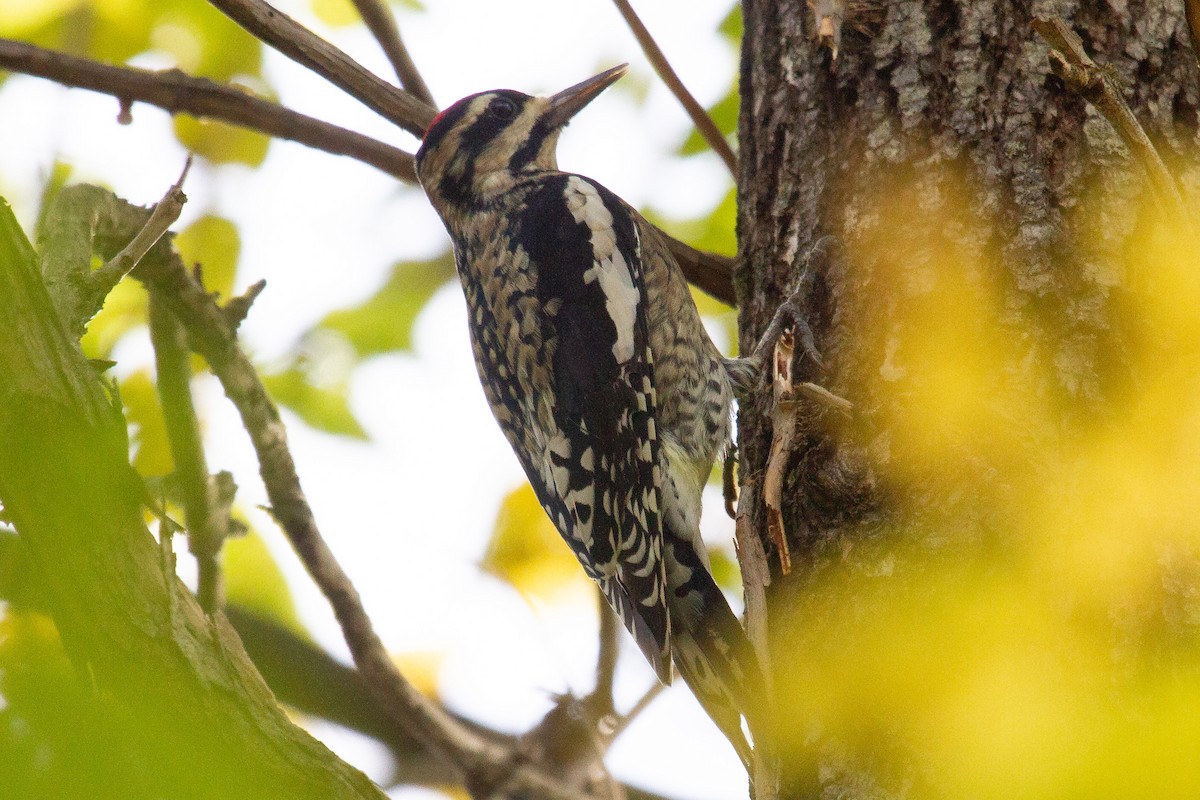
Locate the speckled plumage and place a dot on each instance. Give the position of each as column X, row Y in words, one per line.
column 596, row 365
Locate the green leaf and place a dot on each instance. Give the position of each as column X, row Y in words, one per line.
column 714, row 232
column 326, row 408
column 21, row 18
column 202, row 41
column 214, row 243
column 221, row 143
column 725, row 569
column 527, row 551
column 124, row 310
column 731, row 27
column 143, row 410
column 724, row 113
column 384, row 322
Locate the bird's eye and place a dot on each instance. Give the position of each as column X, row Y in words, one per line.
column 502, row 108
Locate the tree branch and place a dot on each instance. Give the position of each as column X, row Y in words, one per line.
column 600, row 701
column 177, row 92
column 700, row 118
column 382, row 25
column 135, row 634
column 306, row 48
column 206, row 531
column 300, row 674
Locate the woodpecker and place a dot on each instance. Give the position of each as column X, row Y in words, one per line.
column 599, row 372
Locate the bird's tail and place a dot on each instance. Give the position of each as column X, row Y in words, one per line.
column 711, row 650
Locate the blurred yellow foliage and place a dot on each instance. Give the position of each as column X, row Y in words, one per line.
column 18, row 17
column 152, row 451
column 527, row 552
column 254, row 581
column 1061, row 657
column 421, row 668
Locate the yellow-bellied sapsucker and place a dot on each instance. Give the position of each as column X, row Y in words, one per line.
column 598, row 369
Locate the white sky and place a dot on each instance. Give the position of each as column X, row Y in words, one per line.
column 409, row 513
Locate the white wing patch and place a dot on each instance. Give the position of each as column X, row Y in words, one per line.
column 610, row 268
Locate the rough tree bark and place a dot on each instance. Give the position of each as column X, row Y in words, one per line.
column 941, row 114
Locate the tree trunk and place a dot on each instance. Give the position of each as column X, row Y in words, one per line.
column 974, row 307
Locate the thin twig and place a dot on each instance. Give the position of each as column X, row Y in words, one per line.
column 1071, row 62
column 173, row 369
column 177, row 92
column 382, row 25
column 164, row 215
column 822, row 395
column 641, row 705
column 601, row 699
column 700, row 118
column 298, row 43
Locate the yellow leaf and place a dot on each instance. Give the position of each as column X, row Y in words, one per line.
column 335, row 13
column 421, row 668
column 221, row 143
column 254, row 581
column 18, row 17
column 527, row 551
column 124, row 309
column 149, row 437
column 214, row 244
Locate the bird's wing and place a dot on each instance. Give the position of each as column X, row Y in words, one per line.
column 599, row 479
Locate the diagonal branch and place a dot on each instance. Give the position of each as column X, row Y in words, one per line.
column 383, row 27
column 177, row 92
column 298, row 43
column 700, row 118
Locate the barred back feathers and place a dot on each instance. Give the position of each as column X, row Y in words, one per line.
column 599, row 372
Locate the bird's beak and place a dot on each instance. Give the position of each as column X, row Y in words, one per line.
column 568, row 102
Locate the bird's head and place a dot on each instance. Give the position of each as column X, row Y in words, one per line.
column 479, row 147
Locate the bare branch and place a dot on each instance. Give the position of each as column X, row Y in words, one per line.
column 1071, row 62
column 306, row 48
column 700, row 118
column 710, row 272
column 383, row 27
column 177, row 92
column 600, row 701
column 173, row 371
column 164, row 215
column 641, row 705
